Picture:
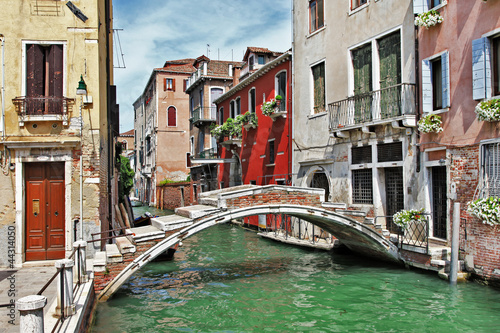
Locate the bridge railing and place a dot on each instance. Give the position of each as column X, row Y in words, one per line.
column 285, row 226
column 414, row 235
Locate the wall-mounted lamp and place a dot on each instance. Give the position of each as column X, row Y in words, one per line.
column 82, row 87
column 442, row 161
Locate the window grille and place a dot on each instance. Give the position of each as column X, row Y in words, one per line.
column 362, row 186
column 490, row 177
column 361, row 155
column 389, row 152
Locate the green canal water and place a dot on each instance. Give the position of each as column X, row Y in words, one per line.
column 226, row 279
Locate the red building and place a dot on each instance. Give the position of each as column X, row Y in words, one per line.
column 261, row 154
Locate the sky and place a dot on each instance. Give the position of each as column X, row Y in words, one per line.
column 154, row 31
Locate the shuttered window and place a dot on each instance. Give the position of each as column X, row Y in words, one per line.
column 356, row 3
column 435, row 83
column 251, row 100
column 318, row 72
column 362, row 64
column 361, row 155
column 171, row 117
column 168, row 84
column 44, row 78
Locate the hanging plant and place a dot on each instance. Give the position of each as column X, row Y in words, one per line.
column 231, row 128
column 250, row 120
column 488, row 110
column 268, row 108
column 428, row 19
column 486, row 209
column 430, row 123
column 403, row 217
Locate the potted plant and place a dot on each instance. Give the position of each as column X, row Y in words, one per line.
column 268, row 108
column 430, row 123
column 250, row 120
column 428, row 19
column 486, row 209
column 413, row 223
column 488, row 110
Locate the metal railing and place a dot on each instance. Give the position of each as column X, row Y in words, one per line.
column 383, row 104
column 42, row 106
column 415, row 233
column 207, row 154
column 207, row 113
column 286, row 226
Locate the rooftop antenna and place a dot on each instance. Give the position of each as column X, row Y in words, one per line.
column 208, row 50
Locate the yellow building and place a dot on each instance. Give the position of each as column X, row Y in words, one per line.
column 49, row 131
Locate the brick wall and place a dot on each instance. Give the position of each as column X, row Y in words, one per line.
column 478, row 241
column 171, row 196
column 276, row 197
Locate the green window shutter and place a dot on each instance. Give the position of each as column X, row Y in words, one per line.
column 426, row 86
column 481, row 68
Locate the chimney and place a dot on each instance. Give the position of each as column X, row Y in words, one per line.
column 236, row 75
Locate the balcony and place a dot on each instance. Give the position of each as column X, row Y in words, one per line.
column 43, row 109
column 202, row 115
column 396, row 105
column 209, row 156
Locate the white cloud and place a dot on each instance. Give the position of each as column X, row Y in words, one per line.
column 160, row 30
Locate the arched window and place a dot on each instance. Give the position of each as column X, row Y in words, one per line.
column 171, row 116
column 124, row 145
column 281, row 89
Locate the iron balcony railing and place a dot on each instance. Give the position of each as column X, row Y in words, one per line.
column 207, row 154
column 27, row 107
column 203, row 114
column 383, row 104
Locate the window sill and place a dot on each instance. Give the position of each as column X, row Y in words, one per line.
column 316, row 115
column 315, row 32
column 357, row 9
column 441, row 5
column 439, row 111
column 270, row 165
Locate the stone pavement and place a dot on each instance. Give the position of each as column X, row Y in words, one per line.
column 23, row 282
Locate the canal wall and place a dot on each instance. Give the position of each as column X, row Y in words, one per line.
column 175, row 195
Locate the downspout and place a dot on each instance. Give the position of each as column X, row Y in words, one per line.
column 81, row 170
column 3, row 87
column 292, row 132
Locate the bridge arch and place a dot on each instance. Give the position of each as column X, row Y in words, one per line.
column 351, row 233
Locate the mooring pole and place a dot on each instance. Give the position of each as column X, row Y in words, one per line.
column 454, row 243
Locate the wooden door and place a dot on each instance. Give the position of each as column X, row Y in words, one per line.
column 45, row 211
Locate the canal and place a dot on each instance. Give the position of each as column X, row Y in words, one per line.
column 227, row 279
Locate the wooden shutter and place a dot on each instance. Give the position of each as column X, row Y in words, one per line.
column 362, row 63
column 173, row 84
column 319, row 87
column 35, row 60
column 390, row 60
column 445, row 71
column 172, row 116
column 426, row 86
column 164, row 84
column 481, row 68
column 55, row 60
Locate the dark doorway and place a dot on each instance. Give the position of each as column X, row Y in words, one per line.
column 439, row 201
column 394, row 195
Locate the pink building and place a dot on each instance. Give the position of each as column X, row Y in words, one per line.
column 459, row 62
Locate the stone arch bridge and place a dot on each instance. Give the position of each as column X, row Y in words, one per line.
column 143, row 244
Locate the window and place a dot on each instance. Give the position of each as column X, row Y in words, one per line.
column 238, row 107
column 185, row 85
column 271, row 152
column 316, row 14
column 485, row 67
column 124, row 145
column 221, row 116
column 172, row 116
column 251, row 100
column 251, row 63
column 318, row 72
column 362, row 65
column 168, row 84
column 261, row 60
column 362, row 187
column 357, row 3
column 232, row 109
column 420, row 6
column 44, row 79
column 490, row 170
column 435, row 83
column 281, row 89
column 361, row 155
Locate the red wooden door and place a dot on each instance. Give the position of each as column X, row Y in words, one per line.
column 44, row 211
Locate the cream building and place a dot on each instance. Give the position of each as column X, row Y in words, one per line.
column 55, row 145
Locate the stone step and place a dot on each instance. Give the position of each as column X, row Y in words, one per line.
column 440, row 253
column 195, row 211
column 125, row 245
column 145, row 233
column 369, row 221
column 100, row 261
column 113, row 254
column 171, row 222
column 351, row 212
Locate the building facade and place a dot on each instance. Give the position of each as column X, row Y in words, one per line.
column 161, row 125
column 211, row 79
column 57, row 140
column 459, row 68
column 355, row 103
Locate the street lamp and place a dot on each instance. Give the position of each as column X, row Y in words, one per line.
column 82, row 87
column 81, row 90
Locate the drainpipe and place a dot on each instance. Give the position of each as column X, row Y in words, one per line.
column 3, row 87
column 292, row 79
column 81, row 170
